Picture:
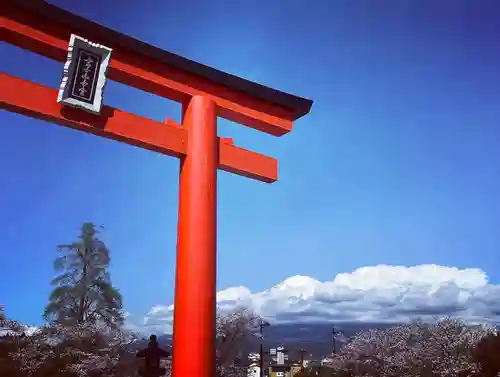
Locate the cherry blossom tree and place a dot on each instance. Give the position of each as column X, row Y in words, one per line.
column 8, row 325
column 11, row 340
column 82, row 351
column 442, row 348
column 234, row 330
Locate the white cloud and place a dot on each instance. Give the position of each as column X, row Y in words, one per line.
column 374, row 294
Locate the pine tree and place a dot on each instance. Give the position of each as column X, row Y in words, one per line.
column 83, row 293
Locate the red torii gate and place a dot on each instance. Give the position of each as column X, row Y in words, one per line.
column 205, row 94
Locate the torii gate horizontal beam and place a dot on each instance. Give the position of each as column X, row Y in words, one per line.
column 205, row 94
column 37, row 101
column 45, row 29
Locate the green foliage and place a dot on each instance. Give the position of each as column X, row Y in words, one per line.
column 83, row 292
column 83, row 336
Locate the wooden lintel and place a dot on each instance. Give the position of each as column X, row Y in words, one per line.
column 24, row 27
column 37, row 101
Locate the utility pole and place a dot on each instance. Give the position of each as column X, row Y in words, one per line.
column 261, row 361
column 333, row 341
column 302, row 352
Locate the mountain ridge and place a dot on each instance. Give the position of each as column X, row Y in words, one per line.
column 315, row 338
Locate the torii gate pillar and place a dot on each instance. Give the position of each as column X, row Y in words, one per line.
column 205, row 94
column 195, row 277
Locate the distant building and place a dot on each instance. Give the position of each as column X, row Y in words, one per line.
column 254, row 367
column 253, row 370
column 284, row 370
column 278, row 364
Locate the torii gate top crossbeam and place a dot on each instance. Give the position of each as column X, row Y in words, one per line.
column 45, row 29
column 205, row 94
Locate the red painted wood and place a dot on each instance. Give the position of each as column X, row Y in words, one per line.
column 195, row 280
column 37, row 101
column 21, row 28
column 195, row 142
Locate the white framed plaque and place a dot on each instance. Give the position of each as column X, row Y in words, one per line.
column 84, row 75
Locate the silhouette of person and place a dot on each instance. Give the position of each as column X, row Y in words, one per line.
column 152, row 355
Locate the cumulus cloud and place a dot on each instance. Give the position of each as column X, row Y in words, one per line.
column 375, row 294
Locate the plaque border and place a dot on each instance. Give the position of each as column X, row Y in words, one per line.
column 77, row 43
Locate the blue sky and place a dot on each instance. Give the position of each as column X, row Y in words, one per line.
column 398, row 162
